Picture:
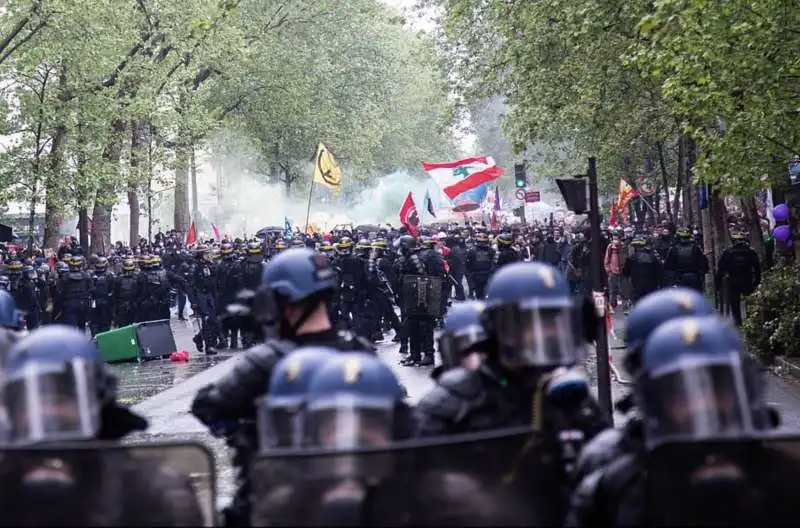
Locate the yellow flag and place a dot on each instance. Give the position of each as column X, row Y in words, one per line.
column 326, row 170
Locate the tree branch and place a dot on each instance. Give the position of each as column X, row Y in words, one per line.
column 4, row 57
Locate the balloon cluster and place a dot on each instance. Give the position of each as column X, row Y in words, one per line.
column 782, row 232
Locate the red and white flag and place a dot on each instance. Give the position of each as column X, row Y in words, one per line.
column 408, row 215
column 215, row 230
column 458, row 177
column 191, row 234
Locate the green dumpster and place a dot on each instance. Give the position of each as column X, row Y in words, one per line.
column 118, row 345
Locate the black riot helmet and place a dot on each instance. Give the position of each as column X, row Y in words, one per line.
column 254, row 248
column 407, row 244
column 76, row 263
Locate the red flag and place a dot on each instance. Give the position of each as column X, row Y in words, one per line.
column 409, row 216
column 215, row 230
column 191, row 234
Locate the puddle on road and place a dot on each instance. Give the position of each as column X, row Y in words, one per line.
column 139, row 381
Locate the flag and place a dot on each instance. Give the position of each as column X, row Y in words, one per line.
column 287, row 227
column 191, row 234
column 326, row 170
column 495, row 208
column 215, row 230
column 409, row 216
column 429, row 203
column 624, row 195
column 458, row 177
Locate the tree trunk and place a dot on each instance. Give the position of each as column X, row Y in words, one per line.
column 193, row 176
column 83, row 226
column 181, row 210
column 139, row 138
column 664, row 179
column 690, row 206
column 754, row 226
column 54, row 189
column 106, row 195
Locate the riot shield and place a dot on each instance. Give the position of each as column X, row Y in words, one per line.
column 422, row 295
column 736, row 482
column 107, row 484
column 489, row 479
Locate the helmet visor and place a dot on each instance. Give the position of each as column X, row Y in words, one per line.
column 696, row 400
column 347, row 422
column 530, row 335
column 52, row 402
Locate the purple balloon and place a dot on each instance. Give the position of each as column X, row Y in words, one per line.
column 780, row 212
column 782, row 233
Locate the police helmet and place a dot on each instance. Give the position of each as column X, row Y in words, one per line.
column 282, row 410
column 226, row 249
column 61, row 268
column 345, row 246
column 655, row 309
column 63, row 368
column 14, row 266
column 101, row 263
column 683, row 233
column 254, row 248
column 692, row 381
column 462, row 332
column 504, row 240
column 532, row 317
column 128, row 264
column 355, row 400
column 296, row 276
column 9, row 314
column 76, row 262
column 407, row 244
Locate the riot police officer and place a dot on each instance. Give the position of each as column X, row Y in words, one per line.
column 204, row 304
column 229, row 276
column 647, row 315
column 686, row 261
column 126, row 294
column 73, row 294
column 738, row 274
column 643, row 269
column 463, row 339
column 59, row 390
column 675, row 407
column 531, row 320
column 479, row 262
column 102, row 297
column 506, row 254
column 352, row 282
column 417, row 317
column 28, row 298
column 293, row 303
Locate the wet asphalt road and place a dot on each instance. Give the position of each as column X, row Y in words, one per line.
column 169, row 390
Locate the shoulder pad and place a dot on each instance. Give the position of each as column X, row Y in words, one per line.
column 599, row 451
column 455, row 394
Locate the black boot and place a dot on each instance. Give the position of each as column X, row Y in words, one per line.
column 198, row 342
column 426, row 361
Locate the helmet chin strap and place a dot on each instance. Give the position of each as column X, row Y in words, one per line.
column 288, row 331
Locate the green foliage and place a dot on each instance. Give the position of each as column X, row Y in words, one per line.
column 91, row 91
column 614, row 79
column 772, row 326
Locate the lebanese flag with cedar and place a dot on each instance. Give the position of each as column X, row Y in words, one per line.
column 458, row 177
column 408, row 215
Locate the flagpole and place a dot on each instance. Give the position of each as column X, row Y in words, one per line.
column 308, row 210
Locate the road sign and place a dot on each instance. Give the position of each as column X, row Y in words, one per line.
column 520, row 194
column 532, row 196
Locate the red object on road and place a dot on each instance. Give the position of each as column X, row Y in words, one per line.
column 180, row 356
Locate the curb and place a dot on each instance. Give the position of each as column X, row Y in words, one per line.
column 789, row 368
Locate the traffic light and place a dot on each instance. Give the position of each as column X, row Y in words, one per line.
column 520, row 179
